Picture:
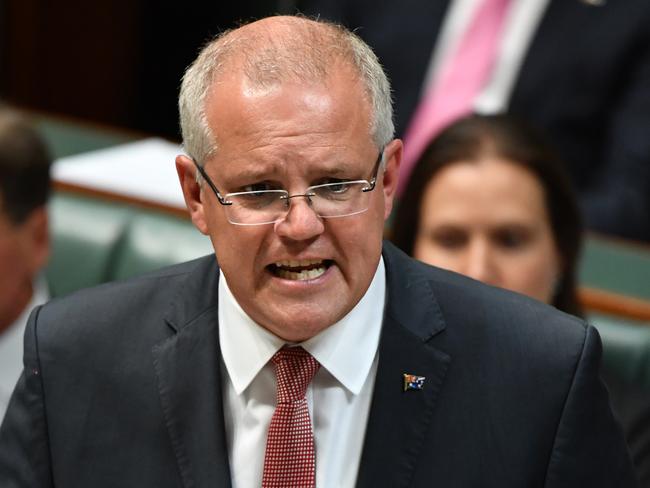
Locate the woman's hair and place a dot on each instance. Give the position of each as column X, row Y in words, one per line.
column 477, row 136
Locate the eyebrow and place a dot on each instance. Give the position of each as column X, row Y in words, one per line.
column 260, row 173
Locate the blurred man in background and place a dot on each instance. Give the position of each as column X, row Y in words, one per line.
column 24, row 241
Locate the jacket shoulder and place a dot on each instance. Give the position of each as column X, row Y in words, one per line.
column 130, row 307
column 476, row 314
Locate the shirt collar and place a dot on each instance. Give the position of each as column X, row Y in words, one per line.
column 346, row 349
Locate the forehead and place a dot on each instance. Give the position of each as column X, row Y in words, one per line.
column 328, row 118
column 488, row 191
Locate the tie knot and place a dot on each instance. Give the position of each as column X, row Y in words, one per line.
column 294, row 370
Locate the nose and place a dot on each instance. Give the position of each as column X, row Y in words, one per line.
column 480, row 263
column 301, row 222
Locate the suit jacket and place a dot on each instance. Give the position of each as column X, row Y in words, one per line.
column 584, row 82
column 122, row 388
column 631, row 404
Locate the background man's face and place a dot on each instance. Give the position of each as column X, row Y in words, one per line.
column 294, row 136
column 20, row 258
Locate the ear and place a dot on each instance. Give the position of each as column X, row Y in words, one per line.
column 390, row 175
column 35, row 240
column 191, row 192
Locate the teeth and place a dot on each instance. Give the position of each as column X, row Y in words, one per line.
column 308, row 274
column 298, row 264
column 300, row 270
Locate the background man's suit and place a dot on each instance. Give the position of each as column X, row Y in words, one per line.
column 585, row 81
column 122, row 388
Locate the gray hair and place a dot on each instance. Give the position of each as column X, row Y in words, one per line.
column 305, row 53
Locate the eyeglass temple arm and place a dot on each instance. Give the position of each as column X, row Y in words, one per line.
column 375, row 172
column 205, row 176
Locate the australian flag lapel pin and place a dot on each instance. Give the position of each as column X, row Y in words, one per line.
column 413, row 382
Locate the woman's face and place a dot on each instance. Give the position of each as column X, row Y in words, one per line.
column 488, row 220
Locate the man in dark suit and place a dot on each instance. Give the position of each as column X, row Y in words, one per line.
column 583, row 80
column 398, row 374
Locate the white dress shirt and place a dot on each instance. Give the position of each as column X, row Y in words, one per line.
column 338, row 397
column 11, row 346
column 521, row 23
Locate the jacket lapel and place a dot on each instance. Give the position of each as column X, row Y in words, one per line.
column 189, row 381
column 399, row 419
column 188, row 367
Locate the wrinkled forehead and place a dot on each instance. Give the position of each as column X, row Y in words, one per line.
column 265, row 77
column 281, row 49
column 237, row 104
column 291, row 69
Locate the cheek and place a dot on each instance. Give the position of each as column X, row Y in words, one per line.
column 429, row 252
column 233, row 250
column 424, row 250
column 356, row 244
column 536, row 275
column 237, row 254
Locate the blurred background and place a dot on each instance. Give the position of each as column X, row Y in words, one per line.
column 115, row 62
column 99, row 80
column 96, row 75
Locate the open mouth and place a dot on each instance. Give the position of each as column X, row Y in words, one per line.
column 309, row 269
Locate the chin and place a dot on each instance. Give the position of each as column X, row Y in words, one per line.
column 297, row 330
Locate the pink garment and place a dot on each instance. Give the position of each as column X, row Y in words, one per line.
column 461, row 80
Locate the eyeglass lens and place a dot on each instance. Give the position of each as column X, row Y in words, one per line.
column 330, row 200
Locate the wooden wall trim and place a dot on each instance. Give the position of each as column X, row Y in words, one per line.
column 614, row 304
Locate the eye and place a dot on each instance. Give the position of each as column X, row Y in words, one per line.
column 337, row 186
column 333, row 182
column 334, row 189
column 259, row 187
column 449, row 238
column 513, row 238
column 257, row 196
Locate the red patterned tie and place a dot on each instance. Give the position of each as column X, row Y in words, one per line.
column 290, row 459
